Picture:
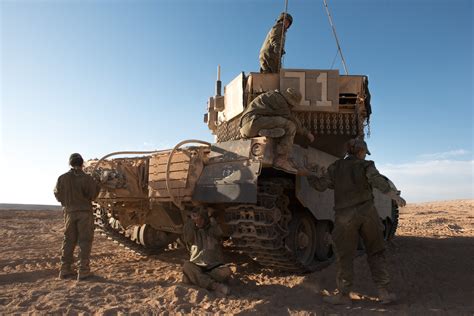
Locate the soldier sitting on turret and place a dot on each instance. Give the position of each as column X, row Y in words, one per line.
column 205, row 266
column 270, row 115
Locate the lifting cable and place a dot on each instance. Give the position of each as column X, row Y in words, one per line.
column 282, row 34
column 335, row 36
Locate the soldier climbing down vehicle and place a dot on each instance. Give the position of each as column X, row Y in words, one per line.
column 352, row 179
column 270, row 115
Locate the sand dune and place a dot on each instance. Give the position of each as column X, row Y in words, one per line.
column 431, row 261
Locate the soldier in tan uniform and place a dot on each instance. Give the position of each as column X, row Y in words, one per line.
column 270, row 115
column 76, row 190
column 273, row 46
column 205, row 267
column 352, row 179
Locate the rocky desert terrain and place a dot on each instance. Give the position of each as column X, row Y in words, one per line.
column 431, row 261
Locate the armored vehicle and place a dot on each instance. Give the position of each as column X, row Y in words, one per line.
column 274, row 217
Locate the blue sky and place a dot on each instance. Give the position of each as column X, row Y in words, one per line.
column 100, row 76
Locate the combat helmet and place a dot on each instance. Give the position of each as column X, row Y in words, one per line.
column 75, row 160
column 292, row 96
column 288, row 17
column 355, row 144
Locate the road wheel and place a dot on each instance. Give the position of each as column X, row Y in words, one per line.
column 323, row 241
column 302, row 238
column 152, row 238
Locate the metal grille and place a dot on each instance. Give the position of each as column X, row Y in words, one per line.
column 319, row 123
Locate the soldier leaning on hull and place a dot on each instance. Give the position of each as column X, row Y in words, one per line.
column 270, row 115
column 352, row 179
column 205, row 267
column 272, row 48
column 76, row 190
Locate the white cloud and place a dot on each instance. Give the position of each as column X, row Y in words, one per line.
column 444, row 155
column 432, row 180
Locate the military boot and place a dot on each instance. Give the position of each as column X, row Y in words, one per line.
column 386, row 297
column 185, row 279
column 83, row 275
column 65, row 273
column 338, row 299
column 220, row 288
column 272, row 132
column 281, row 163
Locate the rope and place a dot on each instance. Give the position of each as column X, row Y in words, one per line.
column 282, row 34
column 334, row 59
column 335, row 36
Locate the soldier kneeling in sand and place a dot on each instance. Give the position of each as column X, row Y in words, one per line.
column 205, row 267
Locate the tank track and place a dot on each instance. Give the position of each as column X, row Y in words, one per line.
column 259, row 231
column 102, row 223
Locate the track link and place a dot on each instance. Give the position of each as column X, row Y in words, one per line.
column 102, row 223
column 260, row 230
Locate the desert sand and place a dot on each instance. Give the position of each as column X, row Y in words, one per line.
column 431, row 262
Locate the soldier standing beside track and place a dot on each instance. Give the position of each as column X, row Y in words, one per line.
column 352, row 179
column 270, row 115
column 76, row 190
column 205, row 267
column 272, row 48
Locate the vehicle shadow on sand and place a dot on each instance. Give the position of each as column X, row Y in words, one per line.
column 428, row 275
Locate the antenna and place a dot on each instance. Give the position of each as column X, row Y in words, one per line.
column 218, row 82
column 335, row 36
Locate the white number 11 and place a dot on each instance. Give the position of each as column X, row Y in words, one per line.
column 323, row 80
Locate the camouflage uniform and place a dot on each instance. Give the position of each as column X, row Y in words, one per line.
column 352, row 180
column 272, row 47
column 75, row 190
column 268, row 111
column 205, row 266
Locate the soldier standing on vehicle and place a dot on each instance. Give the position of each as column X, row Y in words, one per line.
column 270, row 115
column 273, row 47
column 352, row 179
column 76, row 190
column 205, row 267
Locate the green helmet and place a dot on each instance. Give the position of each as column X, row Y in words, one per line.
column 288, row 17
column 292, row 96
column 75, row 160
column 355, row 144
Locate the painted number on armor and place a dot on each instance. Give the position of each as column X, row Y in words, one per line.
column 322, row 79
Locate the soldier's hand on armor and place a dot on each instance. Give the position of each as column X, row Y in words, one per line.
column 310, row 137
column 394, row 195
column 401, row 201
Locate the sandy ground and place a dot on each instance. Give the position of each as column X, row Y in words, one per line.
column 431, row 262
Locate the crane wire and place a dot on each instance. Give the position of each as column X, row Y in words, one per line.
column 334, row 59
column 282, row 34
column 335, row 36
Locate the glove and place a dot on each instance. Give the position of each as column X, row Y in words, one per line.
column 397, row 198
column 104, row 177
